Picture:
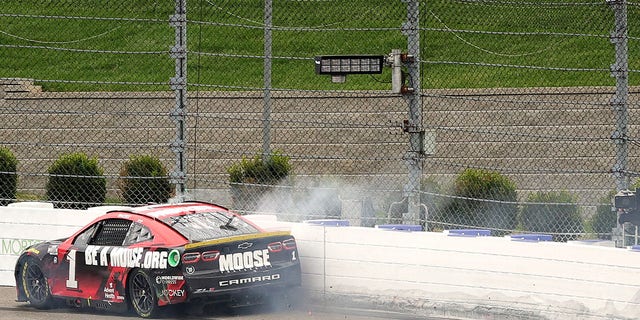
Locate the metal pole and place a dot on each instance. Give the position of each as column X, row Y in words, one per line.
column 179, row 86
column 619, row 102
column 413, row 157
column 396, row 71
column 266, row 111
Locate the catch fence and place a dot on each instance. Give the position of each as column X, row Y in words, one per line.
column 513, row 116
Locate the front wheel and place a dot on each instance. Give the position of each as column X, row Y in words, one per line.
column 35, row 285
column 142, row 294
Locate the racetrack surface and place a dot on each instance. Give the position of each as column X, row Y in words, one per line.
column 12, row 310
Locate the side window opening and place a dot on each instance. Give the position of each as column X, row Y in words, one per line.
column 137, row 233
column 86, row 235
column 111, row 232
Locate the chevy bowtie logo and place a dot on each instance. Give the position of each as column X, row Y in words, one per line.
column 245, row 245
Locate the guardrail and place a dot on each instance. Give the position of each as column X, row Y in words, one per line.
column 457, row 272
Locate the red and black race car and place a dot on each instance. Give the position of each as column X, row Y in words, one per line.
column 148, row 257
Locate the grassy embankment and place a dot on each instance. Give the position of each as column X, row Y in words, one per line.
column 100, row 51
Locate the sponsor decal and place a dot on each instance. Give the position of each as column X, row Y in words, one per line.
column 190, row 269
column 174, row 258
column 173, row 293
column 125, row 257
column 110, row 293
column 233, row 282
column 169, row 279
column 244, row 260
column 204, row 290
column 245, row 245
column 16, row 246
column 52, row 250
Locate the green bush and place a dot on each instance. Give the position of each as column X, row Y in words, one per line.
column 143, row 179
column 76, row 182
column 552, row 212
column 481, row 199
column 259, row 171
column 8, row 176
column 252, row 178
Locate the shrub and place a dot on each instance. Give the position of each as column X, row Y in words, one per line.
column 144, row 179
column 76, row 182
column 552, row 212
column 252, row 178
column 8, row 176
column 259, row 171
column 483, row 199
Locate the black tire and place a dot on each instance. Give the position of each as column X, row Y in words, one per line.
column 35, row 284
column 142, row 294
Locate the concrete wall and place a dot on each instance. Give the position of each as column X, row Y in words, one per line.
column 433, row 272
column 420, row 272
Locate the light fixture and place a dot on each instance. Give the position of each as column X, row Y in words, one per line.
column 340, row 66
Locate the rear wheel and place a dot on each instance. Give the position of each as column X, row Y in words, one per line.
column 35, row 284
column 142, row 294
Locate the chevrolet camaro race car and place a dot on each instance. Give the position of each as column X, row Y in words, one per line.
column 144, row 258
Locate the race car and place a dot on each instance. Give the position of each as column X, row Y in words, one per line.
column 145, row 258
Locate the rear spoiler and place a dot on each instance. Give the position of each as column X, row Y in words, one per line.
column 243, row 237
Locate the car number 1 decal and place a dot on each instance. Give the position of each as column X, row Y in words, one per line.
column 72, row 283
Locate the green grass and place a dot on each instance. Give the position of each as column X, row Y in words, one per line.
column 225, row 38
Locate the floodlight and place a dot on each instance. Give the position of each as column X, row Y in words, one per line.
column 340, row 66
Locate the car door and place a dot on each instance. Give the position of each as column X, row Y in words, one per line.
column 85, row 267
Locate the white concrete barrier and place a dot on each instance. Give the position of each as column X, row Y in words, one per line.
column 26, row 223
column 539, row 279
column 434, row 272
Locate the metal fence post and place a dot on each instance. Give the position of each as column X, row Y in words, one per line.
column 619, row 102
column 413, row 156
column 266, row 111
column 179, row 86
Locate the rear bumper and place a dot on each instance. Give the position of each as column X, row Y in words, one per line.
column 230, row 285
column 245, row 296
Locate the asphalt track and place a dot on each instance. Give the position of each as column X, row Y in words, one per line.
column 12, row 310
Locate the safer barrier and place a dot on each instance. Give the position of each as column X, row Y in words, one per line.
column 427, row 272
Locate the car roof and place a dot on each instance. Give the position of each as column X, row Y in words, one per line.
column 161, row 211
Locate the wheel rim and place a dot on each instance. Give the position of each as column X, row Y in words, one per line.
column 36, row 283
column 141, row 293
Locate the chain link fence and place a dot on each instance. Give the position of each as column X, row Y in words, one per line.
column 512, row 116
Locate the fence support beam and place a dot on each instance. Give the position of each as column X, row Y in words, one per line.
column 179, row 85
column 266, row 98
column 414, row 156
column 619, row 103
